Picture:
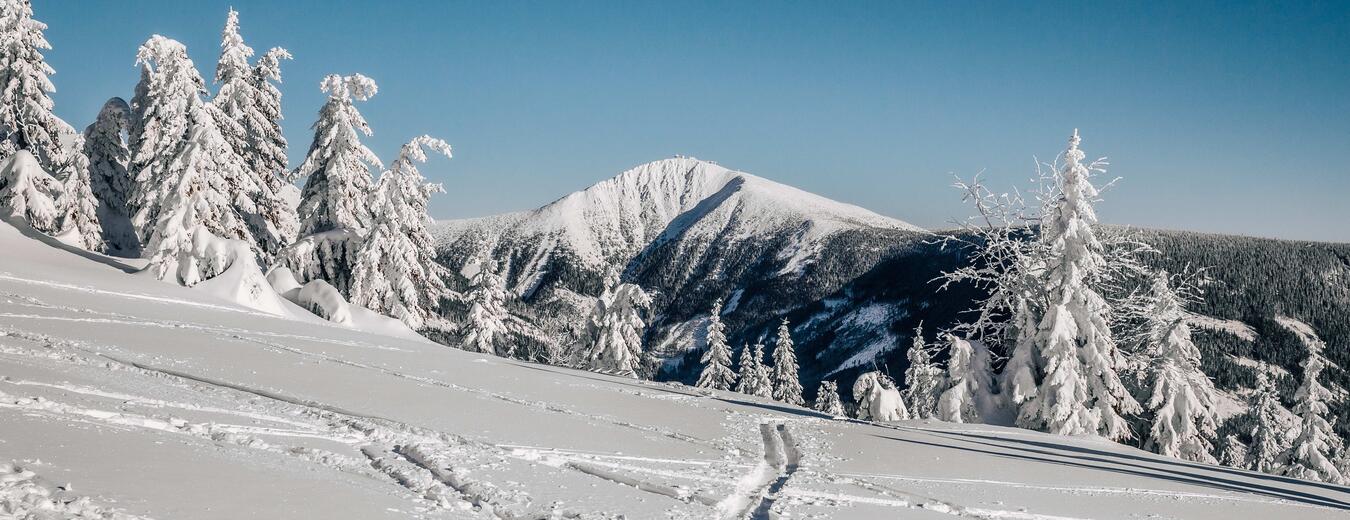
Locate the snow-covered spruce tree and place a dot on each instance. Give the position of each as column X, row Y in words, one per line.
column 26, row 118
column 79, row 212
column 1233, row 453
column 1182, row 397
column 616, row 328
column 878, row 399
column 105, row 146
column 334, row 215
column 1079, row 390
column 268, row 143
column 28, row 193
column 1311, row 455
column 923, row 379
column 486, row 329
column 247, row 117
column 786, row 385
column 969, row 382
column 1269, row 435
column 827, row 399
column 717, row 373
column 754, row 378
column 396, row 272
column 186, row 173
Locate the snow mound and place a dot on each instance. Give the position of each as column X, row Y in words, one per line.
column 241, row 281
column 284, row 283
column 324, row 300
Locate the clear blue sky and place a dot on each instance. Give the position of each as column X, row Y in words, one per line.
column 1226, row 117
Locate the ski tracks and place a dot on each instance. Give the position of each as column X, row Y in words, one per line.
column 757, row 491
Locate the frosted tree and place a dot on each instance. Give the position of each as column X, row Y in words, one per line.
column 396, row 272
column 923, row 379
column 616, row 328
column 79, row 213
column 1311, row 456
column 105, row 146
column 28, row 193
column 334, row 215
column 1182, row 398
column 717, row 373
column 878, row 399
column 268, row 143
column 754, row 378
column 26, row 118
column 1079, row 388
column 1269, row 437
column 1233, row 453
column 827, row 399
column 248, row 117
column 969, row 382
column 786, row 385
column 486, row 329
column 186, row 173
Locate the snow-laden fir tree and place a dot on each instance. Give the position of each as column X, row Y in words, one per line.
column 1182, row 397
column 827, row 399
column 486, row 330
column 1311, row 457
column 1079, row 390
column 105, row 146
column 334, row 214
column 79, row 211
column 186, row 174
column 717, row 373
column 786, row 385
column 396, row 272
column 969, row 383
column 1233, row 453
column 878, row 398
column 616, row 328
column 1270, row 433
column 248, row 119
column 268, row 143
column 182, row 246
column 755, row 378
column 26, row 118
column 28, row 193
column 923, row 379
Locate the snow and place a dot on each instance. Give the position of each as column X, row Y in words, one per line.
column 680, row 198
column 1237, row 328
column 242, row 282
column 161, row 401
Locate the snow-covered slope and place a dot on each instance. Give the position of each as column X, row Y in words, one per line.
column 122, row 395
column 684, row 226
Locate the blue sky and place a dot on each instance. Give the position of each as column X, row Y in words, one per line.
column 1225, row 117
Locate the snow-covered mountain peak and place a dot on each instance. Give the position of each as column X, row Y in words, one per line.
column 617, row 217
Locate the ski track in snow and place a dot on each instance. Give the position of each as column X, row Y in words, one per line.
column 425, row 462
column 756, row 492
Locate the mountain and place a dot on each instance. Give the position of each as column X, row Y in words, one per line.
column 127, row 398
column 685, row 230
column 855, row 284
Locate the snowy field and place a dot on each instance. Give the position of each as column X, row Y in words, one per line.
column 123, row 397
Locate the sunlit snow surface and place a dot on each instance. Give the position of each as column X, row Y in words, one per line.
column 121, row 395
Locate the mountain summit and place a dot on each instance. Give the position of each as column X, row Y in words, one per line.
column 692, row 228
